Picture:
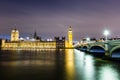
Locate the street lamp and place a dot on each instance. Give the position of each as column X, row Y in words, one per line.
column 106, row 33
column 87, row 39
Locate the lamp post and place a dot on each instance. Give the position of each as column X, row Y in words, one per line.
column 88, row 39
column 106, row 33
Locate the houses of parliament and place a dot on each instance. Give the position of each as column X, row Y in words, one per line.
column 15, row 43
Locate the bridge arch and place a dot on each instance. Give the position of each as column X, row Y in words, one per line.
column 97, row 49
column 84, row 48
column 115, row 52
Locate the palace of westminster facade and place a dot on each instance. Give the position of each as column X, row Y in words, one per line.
column 16, row 43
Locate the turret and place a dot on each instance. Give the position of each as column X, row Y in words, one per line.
column 14, row 35
column 3, row 43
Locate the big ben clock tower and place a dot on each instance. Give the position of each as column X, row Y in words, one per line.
column 70, row 37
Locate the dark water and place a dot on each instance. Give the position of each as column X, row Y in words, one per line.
column 66, row 64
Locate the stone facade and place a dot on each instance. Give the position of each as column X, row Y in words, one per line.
column 16, row 44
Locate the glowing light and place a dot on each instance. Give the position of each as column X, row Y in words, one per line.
column 13, row 30
column 27, row 38
column 49, row 39
column 106, row 33
column 88, row 39
column 21, row 38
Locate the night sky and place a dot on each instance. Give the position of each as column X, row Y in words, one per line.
column 51, row 18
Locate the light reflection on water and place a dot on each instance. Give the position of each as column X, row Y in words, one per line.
column 69, row 64
column 28, row 58
column 108, row 72
column 84, row 66
column 66, row 64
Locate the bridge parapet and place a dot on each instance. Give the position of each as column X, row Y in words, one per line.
column 106, row 45
column 109, row 46
column 112, row 44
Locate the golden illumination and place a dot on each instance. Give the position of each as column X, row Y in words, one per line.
column 16, row 44
column 70, row 36
column 25, row 45
column 15, row 35
column 69, row 60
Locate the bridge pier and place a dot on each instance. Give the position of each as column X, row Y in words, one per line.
column 106, row 49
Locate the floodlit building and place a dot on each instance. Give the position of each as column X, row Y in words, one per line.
column 14, row 35
column 36, row 43
column 70, row 37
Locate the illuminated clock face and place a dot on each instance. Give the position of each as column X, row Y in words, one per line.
column 13, row 31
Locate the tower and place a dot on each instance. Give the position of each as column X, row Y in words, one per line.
column 70, row 40
column 14, row 35
column 35, row 35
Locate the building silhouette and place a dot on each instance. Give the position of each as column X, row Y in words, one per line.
column 60, row 43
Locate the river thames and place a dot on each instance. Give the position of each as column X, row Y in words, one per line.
column 68, row 64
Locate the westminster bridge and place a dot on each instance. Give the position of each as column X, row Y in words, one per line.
column 107, row 48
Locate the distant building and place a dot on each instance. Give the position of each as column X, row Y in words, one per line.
column 36, row 43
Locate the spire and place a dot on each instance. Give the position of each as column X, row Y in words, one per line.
column 35, row 35
column 15, row 27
